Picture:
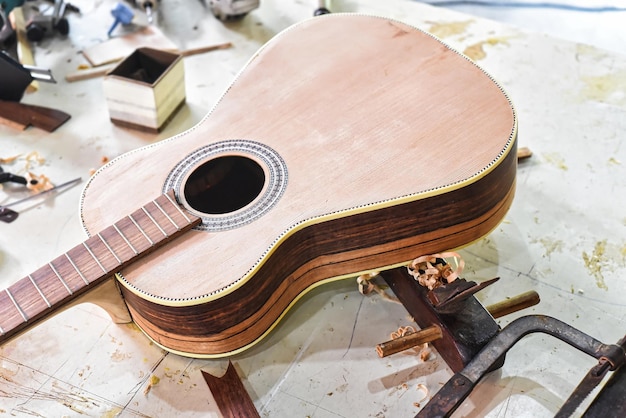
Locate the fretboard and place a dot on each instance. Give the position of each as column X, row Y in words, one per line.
column 42, row 292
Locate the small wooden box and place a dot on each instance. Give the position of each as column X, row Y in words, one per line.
column 146, row 89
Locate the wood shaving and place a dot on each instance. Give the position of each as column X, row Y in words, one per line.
column 153, row 382
column 423, row 388
column 33, row 157
column 366, row 286
column 38, row 183
column 432, row 271
column 9, row 160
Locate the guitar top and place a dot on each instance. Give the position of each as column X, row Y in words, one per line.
column 347, row 144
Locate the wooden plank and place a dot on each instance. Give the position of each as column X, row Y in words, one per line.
column 116, row 49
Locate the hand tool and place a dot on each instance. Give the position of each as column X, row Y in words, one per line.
column 149, row 7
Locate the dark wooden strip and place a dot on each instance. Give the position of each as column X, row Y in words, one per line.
column 25, row 114
column 230, row 395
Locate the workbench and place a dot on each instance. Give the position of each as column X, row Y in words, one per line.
column 564, row 237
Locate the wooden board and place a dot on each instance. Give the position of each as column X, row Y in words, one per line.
column 117, row 48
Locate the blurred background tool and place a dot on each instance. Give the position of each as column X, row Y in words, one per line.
column 44, row 24
column 15, row 77
column 232, row 9
column 7, row 33
column 323, row 7
column 149, row 7
column 122, row 14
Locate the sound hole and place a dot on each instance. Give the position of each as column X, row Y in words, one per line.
column 224, row 185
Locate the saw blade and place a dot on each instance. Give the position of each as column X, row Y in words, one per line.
column 584, row 388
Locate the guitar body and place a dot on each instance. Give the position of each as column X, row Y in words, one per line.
column 347, row 144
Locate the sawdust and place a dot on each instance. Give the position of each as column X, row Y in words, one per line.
column 595, row 262
column 556, row 160
column 550, row 245
column 118, row 356
column 111, row 413
column 607, row 88
column 477, row 52
column 446, row 30
column 153, row 382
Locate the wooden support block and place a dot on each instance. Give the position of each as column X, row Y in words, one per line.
column 463, row 334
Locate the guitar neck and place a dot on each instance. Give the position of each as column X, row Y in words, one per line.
column 43, row 292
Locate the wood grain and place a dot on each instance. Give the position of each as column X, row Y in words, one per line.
column 230, row 395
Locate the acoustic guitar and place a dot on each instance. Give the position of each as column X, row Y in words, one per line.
column 347, row 144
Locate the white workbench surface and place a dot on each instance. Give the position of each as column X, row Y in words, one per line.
column 564, row 237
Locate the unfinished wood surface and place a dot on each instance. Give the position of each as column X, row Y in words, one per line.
column 85, row 267
column 391, row 145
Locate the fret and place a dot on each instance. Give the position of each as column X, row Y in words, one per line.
column 45, row 299
column 75, row 267
column 109, row 248
column 16, row 305
column 166, row 215
column 61, row 279
column 126, row 240
column 168, row 197
column 94, row 256
column 45, row 280
column 141, row 230
column 154, row 221
column 10, row 317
